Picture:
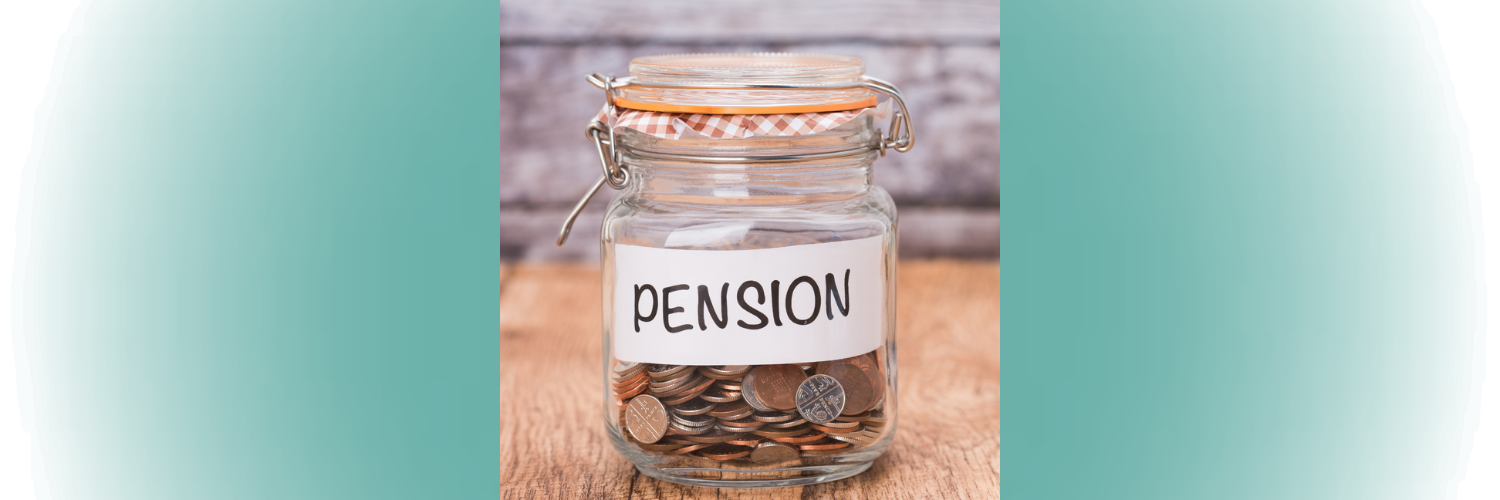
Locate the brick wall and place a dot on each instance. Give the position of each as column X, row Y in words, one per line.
column 944, row 55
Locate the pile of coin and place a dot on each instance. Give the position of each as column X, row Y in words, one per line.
column 761, row 413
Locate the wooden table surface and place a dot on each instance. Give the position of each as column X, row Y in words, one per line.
column 947, row 443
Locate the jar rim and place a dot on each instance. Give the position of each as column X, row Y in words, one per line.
column 663, row 83
column 755, row 67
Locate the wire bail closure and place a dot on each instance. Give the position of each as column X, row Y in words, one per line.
column 900, row 138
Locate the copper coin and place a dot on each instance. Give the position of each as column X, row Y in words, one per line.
column 776, row 385
column 678, row 400
column 814, row 453
column 688, row 449
column 727, row 410
column 747, row 441
column 632, row 392
column 857, row 417
column 629, row 381
column 820, row 398
column 693, row 407
column 872, row 372
column 873, row 367
column 822, row 446
column 729, row 386
column 658, row 447
column 832, row 430
column 724, row 451
column 783, row 433
column 681, row 398
column 716, row 436
column 772, row 452
column 858, row 395
column 640, row 379
column 805, row 438
column 646, row 419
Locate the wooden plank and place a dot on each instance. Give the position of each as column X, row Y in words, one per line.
column 552, row 442
column 948, row 430
column 759, row 19
column 952, row 92
column 529, row 234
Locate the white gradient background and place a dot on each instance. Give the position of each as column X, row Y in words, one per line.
column 31, row 31
column 1468, row 39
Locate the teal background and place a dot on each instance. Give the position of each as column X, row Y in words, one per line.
column 1241, row 252
column 259, row 253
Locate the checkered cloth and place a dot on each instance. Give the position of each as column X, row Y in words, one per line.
column 676, row 125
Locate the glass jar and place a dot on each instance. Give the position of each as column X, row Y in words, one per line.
column 749, row 283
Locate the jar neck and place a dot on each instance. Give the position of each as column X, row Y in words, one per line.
column 836, row 170
column 751, row 184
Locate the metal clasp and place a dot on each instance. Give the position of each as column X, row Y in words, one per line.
column 614, row 174
column 901, row 136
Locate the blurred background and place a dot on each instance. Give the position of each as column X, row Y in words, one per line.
column 944, row 55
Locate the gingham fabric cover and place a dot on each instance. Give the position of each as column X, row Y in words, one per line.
column 674, row 125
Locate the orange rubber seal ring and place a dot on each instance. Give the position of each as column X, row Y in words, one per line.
column 744, row 110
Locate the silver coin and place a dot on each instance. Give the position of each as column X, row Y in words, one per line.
column 717, row 395
column 690, row 431
column 774, row 417
column 747, row 393
column 693, row 407
column 624, row 370
column 678, row 382
column 788, row 424
column 772, row 452
column 664, row 372
column 820, row 399
column 741, row 430
column 736, row 416
column 646, row 419
column 729, row 371
column 853, row 438
column 693, row 421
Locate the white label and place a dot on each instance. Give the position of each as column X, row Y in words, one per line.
column 796, row 304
